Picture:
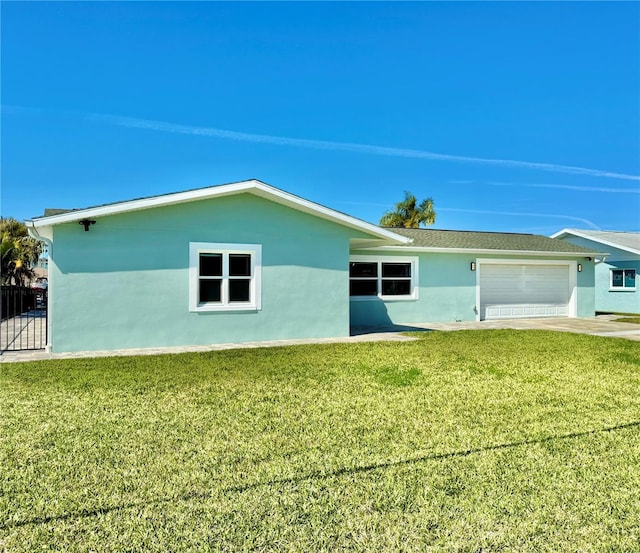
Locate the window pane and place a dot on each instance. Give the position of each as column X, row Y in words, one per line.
column 396, row 287
column 363, row 288
column 239, row 290
column 359, row 269
column 396, row 269
column 239, row 264
column 210, row 290
column 210, row 264
column 630, row 278
column 616, row 278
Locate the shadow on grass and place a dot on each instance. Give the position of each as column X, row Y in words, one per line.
column 84, row 513
column 384, row 328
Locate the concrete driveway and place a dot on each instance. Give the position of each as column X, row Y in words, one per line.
column 602, row 325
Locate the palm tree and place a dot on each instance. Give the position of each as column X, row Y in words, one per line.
column 19, row 252
column 407, row 214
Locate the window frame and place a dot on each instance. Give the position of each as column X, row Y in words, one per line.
column 225, row 249
column 624, row 287
column 413, row 279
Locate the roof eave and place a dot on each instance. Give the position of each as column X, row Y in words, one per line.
column 255, row 187
column 44, row 232
column 567, row 232
column 142, row 203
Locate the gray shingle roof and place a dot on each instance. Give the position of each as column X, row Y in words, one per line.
column 50, row 211
column 618, row 238
column 470, row 240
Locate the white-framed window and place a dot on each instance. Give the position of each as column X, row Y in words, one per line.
column 224, row 277
column 387, row 278
column 623, row 279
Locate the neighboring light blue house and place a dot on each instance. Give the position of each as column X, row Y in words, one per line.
column 245, row 261
column 616, row 274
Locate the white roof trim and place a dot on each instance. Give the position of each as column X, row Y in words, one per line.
column 255, row 187
column 485, row 251
column 579, row 234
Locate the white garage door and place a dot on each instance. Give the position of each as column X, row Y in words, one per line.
column 519, row 290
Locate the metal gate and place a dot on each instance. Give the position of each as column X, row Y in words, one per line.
column 24, row 318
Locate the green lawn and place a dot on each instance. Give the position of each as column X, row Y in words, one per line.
column 634, row 320
column 460, row 441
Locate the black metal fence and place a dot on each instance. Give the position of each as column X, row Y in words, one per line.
column 23, row 318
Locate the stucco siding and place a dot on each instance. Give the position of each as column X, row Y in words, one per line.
column 606, row 298
column 125, row 283
column 616, row 300
column 448, row 291
column 586, row 289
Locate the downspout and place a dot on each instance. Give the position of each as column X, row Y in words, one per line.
column 33, row 232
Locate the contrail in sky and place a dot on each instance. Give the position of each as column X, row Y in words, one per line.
column 571, row 187
column 489, row 212
column 518, row 214
column 163, row 126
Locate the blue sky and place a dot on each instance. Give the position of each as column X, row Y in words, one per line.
column 517, row 117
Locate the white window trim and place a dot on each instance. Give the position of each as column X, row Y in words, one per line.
column 255, row 289
column 388, row 259
column 622, row 288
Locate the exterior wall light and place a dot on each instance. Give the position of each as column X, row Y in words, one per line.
column 86, row 223
column 579, row 267
column 473, row 266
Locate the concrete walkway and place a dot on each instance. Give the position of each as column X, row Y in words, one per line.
column 603, row 325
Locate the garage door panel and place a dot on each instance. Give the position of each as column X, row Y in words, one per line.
column 521, row 290
column 504, row 311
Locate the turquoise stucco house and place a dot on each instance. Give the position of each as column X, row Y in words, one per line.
column 616, row 273
column 246, row 261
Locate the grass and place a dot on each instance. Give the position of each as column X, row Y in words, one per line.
column 461, row 441
column 634, row 320
column 623, row 317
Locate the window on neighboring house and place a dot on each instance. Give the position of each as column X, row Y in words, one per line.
column 389, row 278
column 224, row 277
column 623, row 279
